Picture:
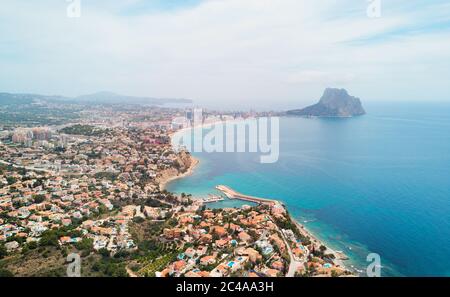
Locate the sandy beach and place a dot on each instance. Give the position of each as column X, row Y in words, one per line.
column 339, row 256
column 165, row 181
column 205, row 126
column 194, row 161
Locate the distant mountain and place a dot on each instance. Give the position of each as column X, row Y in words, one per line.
column 97, row 98
column 334, row 103
column 112, row 98
column 16, row 99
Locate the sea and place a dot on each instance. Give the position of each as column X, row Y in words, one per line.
column 378, row 183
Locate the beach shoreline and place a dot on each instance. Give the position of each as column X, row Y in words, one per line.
column 194, row 161
column 165, row 182
column 339, row 257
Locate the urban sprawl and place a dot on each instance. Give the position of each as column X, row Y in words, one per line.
column 94, row 185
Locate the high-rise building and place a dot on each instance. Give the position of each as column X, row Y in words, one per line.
column 26, row 135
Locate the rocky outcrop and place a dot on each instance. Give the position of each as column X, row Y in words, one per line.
column 334, row 103
column 183, row 166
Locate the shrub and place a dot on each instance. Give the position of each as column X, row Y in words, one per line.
column 3, row 252
column 5, row 273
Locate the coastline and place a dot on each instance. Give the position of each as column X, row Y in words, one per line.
column 339, row 257
column 194, row 162
column 203, row 126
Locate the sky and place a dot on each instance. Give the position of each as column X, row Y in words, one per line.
column 270, row 54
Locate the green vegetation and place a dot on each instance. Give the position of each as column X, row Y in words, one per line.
column 14, row 112
column 85, row 130
column 289, row 224
column 159, row 264
column 138, row 220
column 11, row 180
column 3, row 251
column 146, row 231
column 153, row 254
column 155, row 203
column 104, row 252
column 5, row 273
column 110, row 267
column 86, row 244
column 94, row 155
column 57, row 272
column 40, row 261
column 51, row 237
column 38, row 198
column 9, row 99
column 32, row 245
column 106, row 175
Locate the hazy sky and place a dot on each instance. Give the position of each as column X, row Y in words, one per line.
column 262, row 53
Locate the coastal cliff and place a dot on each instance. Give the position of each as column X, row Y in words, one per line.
column 185, row 163
column 334, row 103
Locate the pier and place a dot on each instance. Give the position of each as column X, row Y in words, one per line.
column 211, row 199
column 232, row 194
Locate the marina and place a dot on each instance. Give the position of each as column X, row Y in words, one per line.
column 212, row 198
column 232, row 194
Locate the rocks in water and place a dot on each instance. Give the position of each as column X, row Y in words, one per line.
column 334, row 103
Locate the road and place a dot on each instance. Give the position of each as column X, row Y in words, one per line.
column 294, row 265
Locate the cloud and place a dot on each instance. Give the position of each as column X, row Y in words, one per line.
column 225, row 51
column 314, row 76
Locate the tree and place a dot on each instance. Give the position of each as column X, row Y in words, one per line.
column 38, row 198
column 5, row 273
column 122, row 254
column 3, row 252
column 110, row 267
column 11, row 180
column 102, row 209
column 86, row 244
column 104, row 252
column 39, row 182
column 138, row 220
column 49, row 238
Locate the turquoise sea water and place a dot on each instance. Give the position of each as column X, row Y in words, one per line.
column 377, row 183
